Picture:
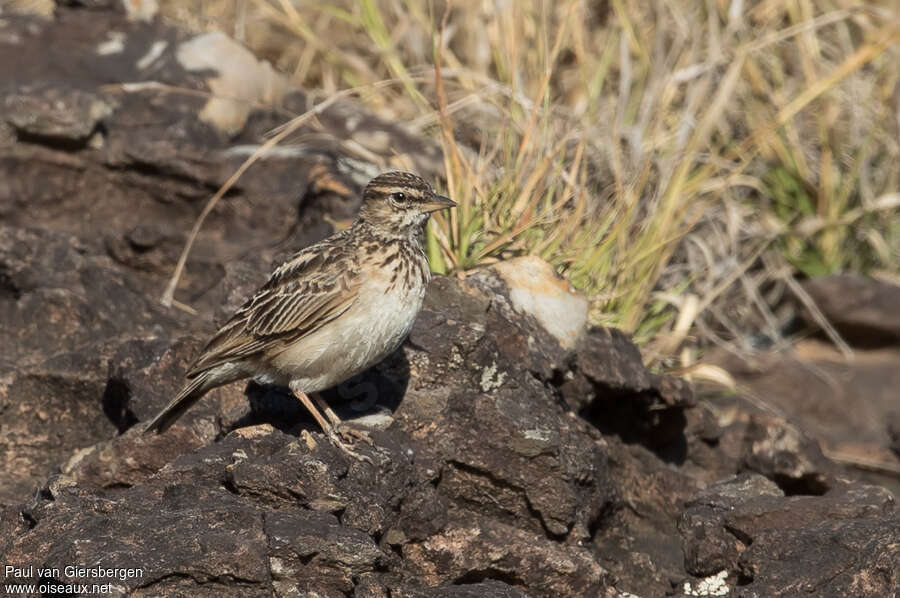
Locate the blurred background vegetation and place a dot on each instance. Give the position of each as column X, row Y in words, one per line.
column 683, row 163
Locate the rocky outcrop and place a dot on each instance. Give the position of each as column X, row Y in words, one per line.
column 862, row 310
column 838, row 544
column 512, row 457
column 845, row 406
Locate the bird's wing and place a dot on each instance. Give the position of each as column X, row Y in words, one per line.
column 314, row 287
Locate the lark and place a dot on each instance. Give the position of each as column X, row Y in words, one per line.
column 330, row 312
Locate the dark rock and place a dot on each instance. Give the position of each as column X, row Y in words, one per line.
column 485, row 549
column 64, row 315
column 863, row 310
column 638, row 533
column 609, row 358
column 13, row 523
column 820, row 398
column 139, row 530
column 613, row 363
column 145, row 374
column 499, row 426
column 60, row 299
column 64, row 116
column 610, row 387
column 709, row 544
column 47, row 415
column 240, row 282
column 761, row 443
column 786, row 455
column 317, row 552
column 423, row 513
column 777, row 546
column 828, row 559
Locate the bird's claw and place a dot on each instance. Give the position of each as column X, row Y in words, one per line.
column 351, row 434
column 347, row 450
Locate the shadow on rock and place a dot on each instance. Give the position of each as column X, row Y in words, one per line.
column 609, row 386
column 368, row 399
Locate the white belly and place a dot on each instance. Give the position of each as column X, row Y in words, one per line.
column 374, row 326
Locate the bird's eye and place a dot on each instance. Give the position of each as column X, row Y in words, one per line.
column 398, row 196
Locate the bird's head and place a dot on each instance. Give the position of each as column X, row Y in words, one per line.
column 399, row 203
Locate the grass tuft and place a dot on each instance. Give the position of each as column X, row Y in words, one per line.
column 682, row 163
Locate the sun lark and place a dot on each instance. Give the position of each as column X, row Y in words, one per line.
column 331, row 311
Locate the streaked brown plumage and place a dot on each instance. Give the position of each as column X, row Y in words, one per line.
column 331, row 311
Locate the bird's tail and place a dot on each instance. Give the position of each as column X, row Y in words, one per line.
column 189, row 395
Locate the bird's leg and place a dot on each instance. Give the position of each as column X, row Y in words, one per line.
column 327, row 427
column 348, row 433
column 323, row 423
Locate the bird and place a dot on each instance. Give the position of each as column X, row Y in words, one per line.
column 329, row 312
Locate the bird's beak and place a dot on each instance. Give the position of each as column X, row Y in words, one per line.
column 437, row 202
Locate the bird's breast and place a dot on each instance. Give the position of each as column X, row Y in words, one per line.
column 389, row 303
column 376, row 324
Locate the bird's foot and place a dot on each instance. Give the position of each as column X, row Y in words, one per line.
column 351, row 434
column 346, row 448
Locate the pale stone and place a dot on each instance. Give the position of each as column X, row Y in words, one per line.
column 242, row 80
column 536, row 289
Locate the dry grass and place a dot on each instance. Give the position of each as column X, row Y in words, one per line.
column 680, row 162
